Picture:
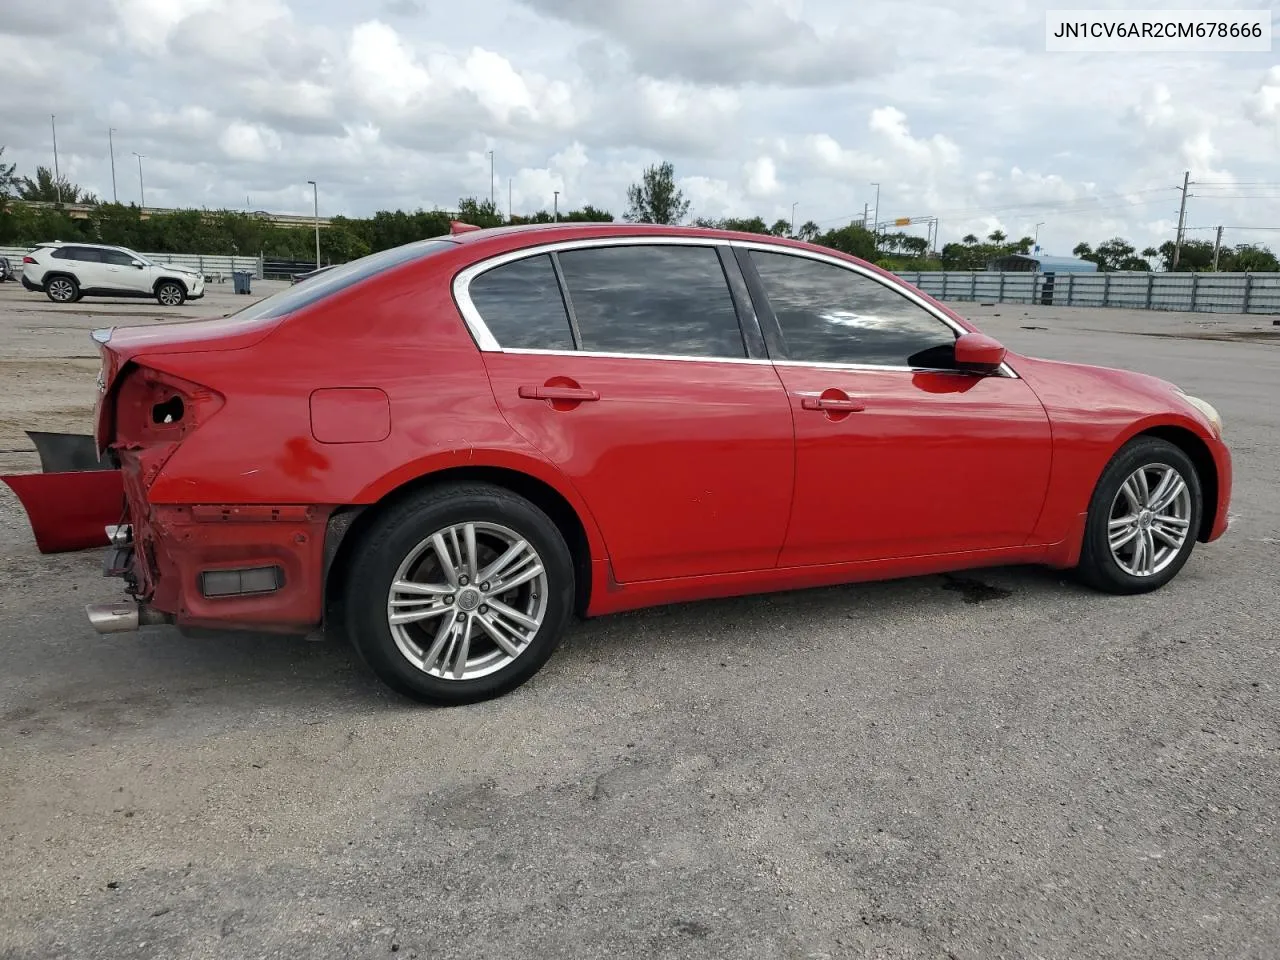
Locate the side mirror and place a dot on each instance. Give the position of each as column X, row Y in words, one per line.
column 138, row 264
column 977, row 351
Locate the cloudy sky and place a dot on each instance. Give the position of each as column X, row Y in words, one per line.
column 953, row 106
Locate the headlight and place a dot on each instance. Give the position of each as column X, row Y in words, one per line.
column 1208, row 410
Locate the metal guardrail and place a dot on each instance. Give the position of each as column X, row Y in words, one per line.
column 208, row 265
column 1194, row 292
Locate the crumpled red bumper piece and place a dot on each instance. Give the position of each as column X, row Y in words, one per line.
column 70, row 511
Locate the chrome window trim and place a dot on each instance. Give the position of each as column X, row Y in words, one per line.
column 632, row 356
column 487, row 343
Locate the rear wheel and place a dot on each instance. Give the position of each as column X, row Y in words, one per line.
column 460, row 594
column 62, row 290
column 1143, row 518
column 170, row 293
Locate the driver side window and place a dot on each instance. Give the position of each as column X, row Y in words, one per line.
column 832, row 315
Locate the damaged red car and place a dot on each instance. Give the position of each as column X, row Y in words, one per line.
column 447, row 449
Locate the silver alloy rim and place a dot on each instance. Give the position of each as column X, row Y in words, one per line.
column 62, row 290
column 467, row 601
column 169, row 295
column 1150, row 520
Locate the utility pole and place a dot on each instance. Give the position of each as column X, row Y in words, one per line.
column 509, row 214
column 112, row 147
column 142, row 191
column 556, row 214
column 491, row 203
column 793, row 218
column 1182, row 219
column 875, row 226
column 1217, row 245
column 866, row 207
column 315, row 196
column 57, row 177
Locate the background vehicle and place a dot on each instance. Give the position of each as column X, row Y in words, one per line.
column 68, row 271
column 6, row 270
column 531, row 422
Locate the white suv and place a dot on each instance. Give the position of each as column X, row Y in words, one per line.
column 68, row 271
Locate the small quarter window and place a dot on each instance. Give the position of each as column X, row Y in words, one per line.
column 520, row 303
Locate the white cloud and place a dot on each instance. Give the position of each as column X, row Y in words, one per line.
column 762, row 177
column 1264, row 105
column 249, row 141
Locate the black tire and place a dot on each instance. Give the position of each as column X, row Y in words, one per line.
column 391, row 539
column 172, row 289
column 62, row 289
column 1099, row 567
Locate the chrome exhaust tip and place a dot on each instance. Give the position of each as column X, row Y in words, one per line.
column 113, row 617
column 123, row 616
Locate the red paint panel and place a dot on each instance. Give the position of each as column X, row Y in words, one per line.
column 350, row 415
column 920, row 463
column 686, row 465
column 70, row 511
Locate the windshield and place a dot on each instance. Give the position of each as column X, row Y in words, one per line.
column 340, row 277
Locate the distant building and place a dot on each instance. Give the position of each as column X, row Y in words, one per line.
column 1037, row 263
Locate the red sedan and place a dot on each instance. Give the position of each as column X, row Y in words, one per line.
column 446, row 449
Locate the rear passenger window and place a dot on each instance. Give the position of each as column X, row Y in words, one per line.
column 521, row 305
column 652, row 299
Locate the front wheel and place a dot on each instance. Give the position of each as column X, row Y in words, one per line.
column 170, row 294
column 460, row 594
column 1143, row 519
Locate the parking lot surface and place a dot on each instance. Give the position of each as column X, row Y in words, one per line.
column 1000, row 764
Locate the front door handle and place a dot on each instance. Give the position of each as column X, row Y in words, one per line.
column 574, row 394
column 841, row 404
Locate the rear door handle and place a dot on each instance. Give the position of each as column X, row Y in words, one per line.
column 821, row 403
column 576, row 394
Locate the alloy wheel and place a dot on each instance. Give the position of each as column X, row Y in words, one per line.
column 467, row 601
column 170, row 295
column 1150, row 520
column 61, row 290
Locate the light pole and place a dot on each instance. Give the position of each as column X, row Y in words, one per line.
column 491, row 203
column 875, row 226
column 315, row 196
column 57, row 177
column 793, row 217
column 1036, row 245
column 556, row 215
column 111, row 146
column 142, row 191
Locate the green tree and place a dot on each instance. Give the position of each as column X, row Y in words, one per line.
column 1196, row 255
column 1248, row 258
column 480, row 213
column 854, row 239
column 8, row 181
column 781, row 228
column 44, row 187
column 997, row 237
column 656, row 199
column 808, row 230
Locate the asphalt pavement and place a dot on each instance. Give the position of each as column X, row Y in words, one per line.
column 1000, row 764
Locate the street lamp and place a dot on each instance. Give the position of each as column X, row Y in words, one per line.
column 556, row 215
column 142, row 192
column 1037, row 240
column 111, row 146
column 491, row 180
column 793, row 218
column 315, row 196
